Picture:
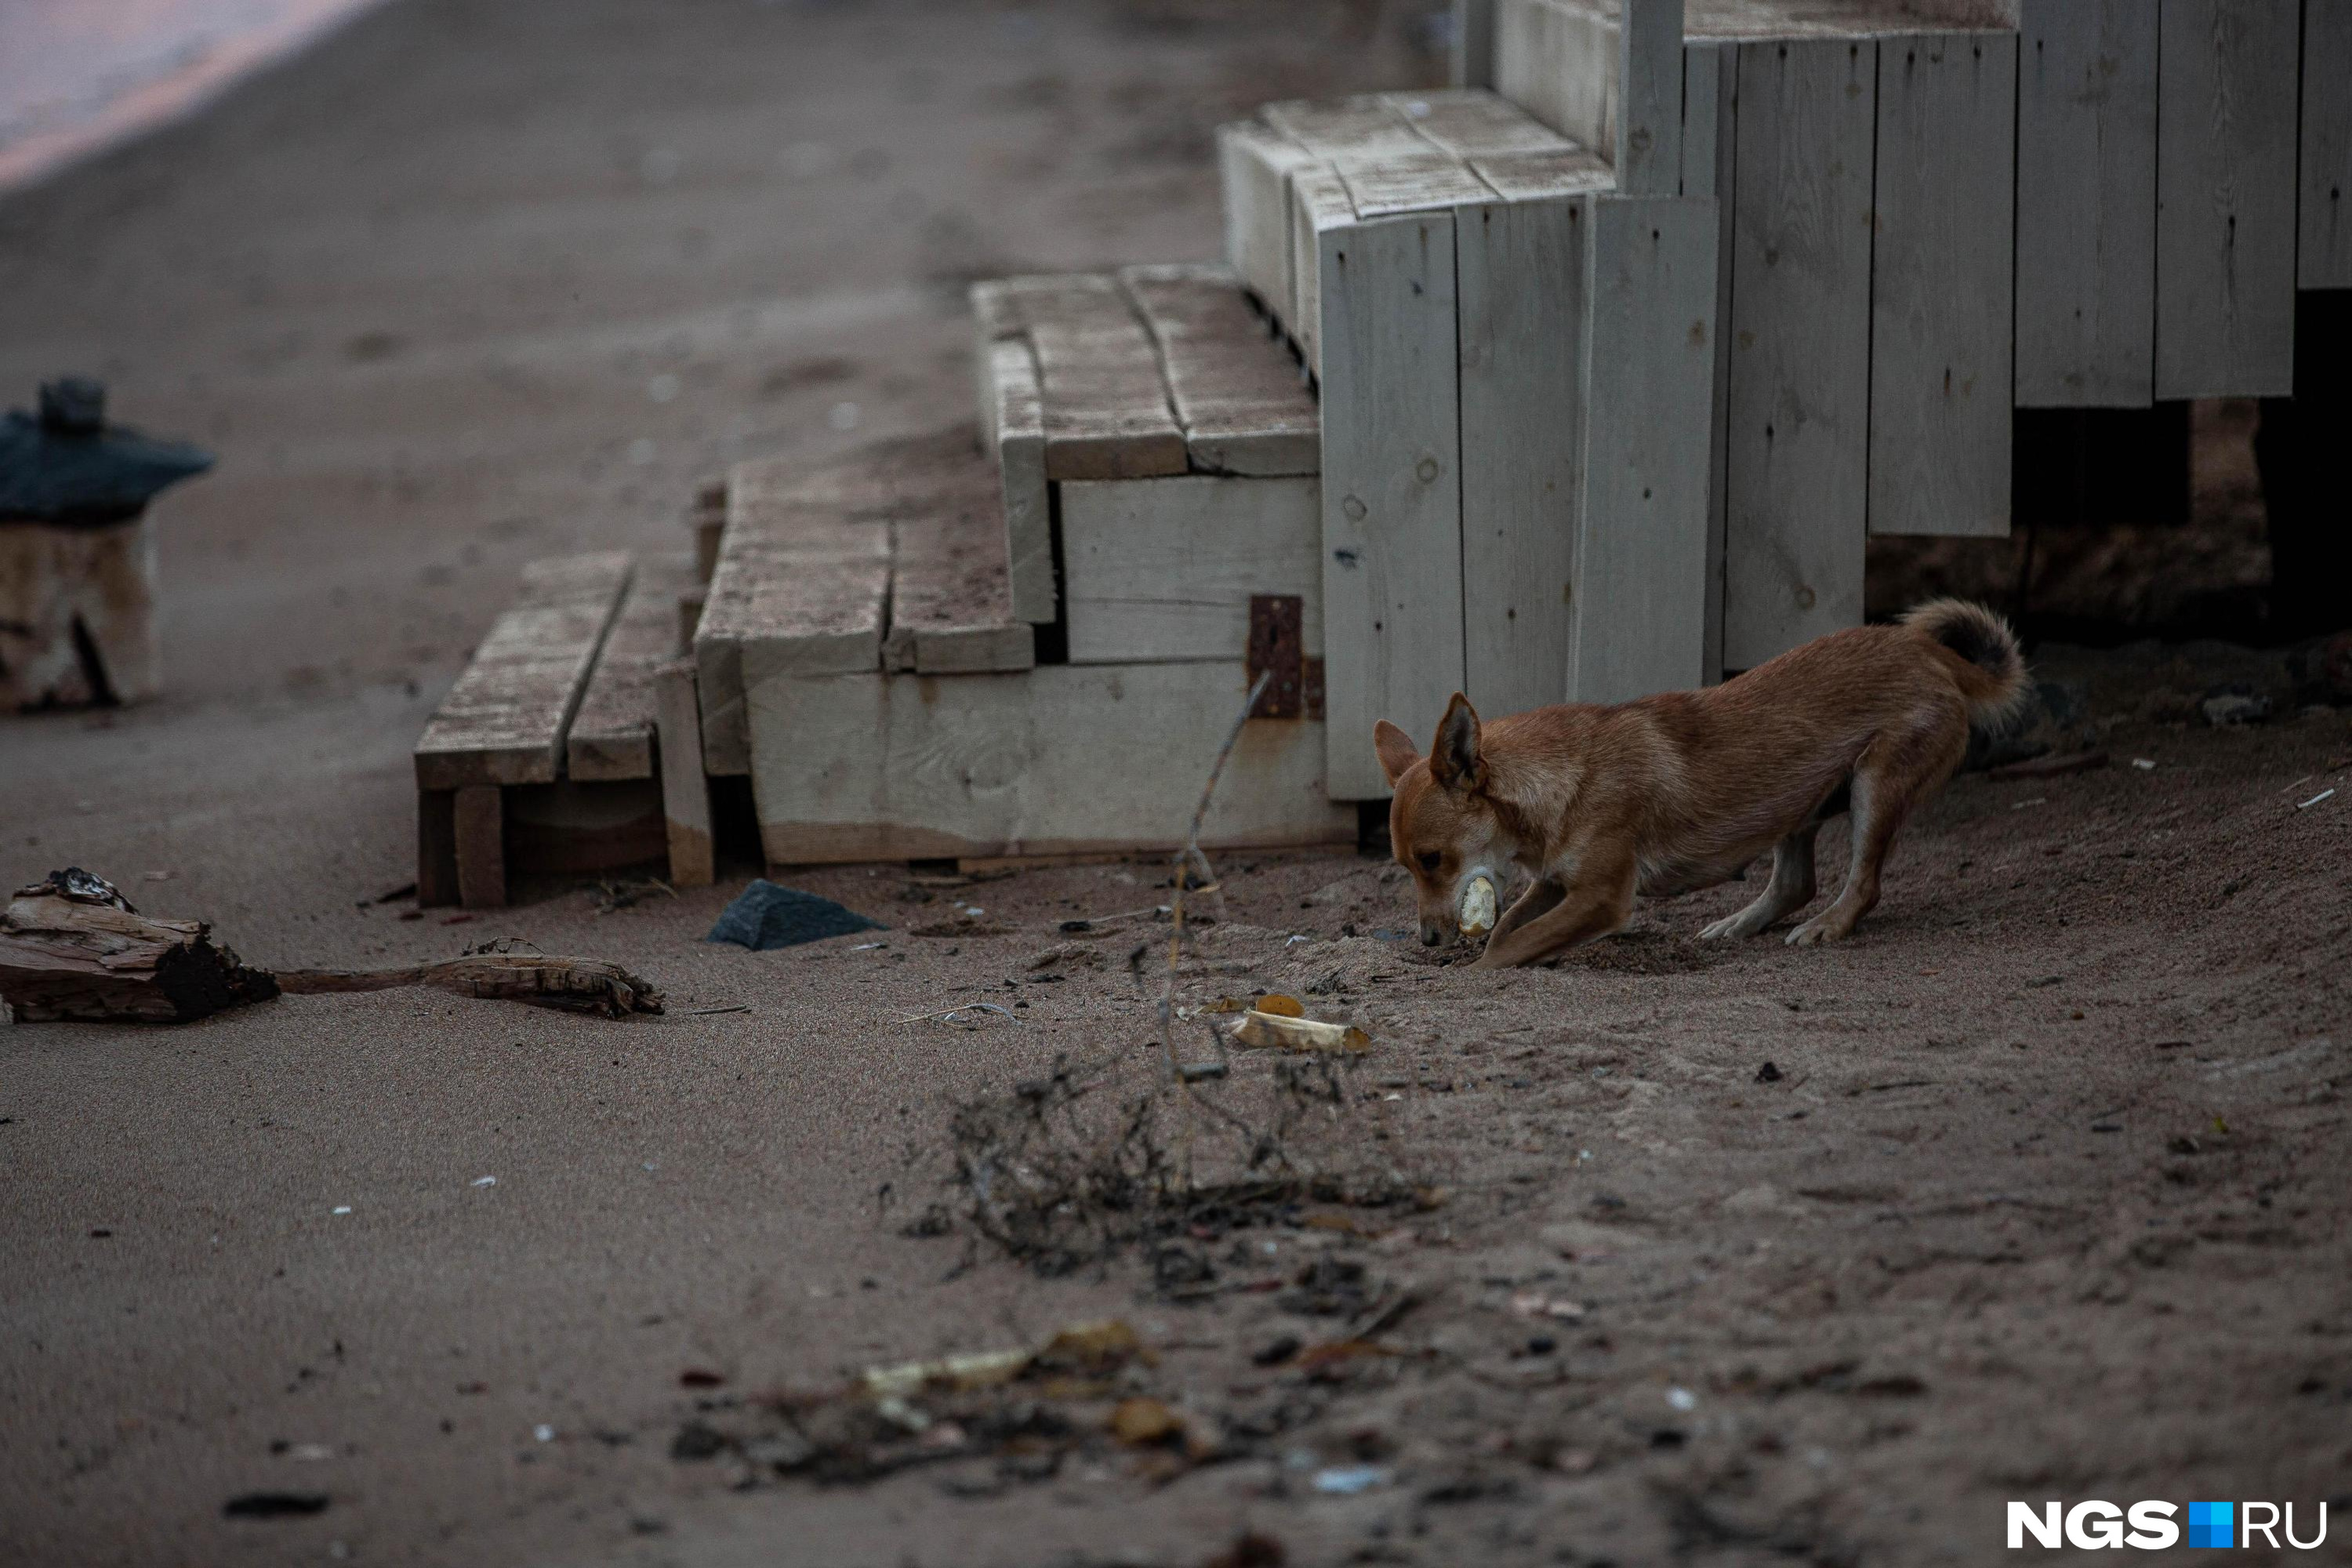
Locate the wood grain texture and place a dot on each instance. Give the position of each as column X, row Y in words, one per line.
column 1161, row 570
column 686, row 791
column 1520, row 279
column 77, row 614
column 1710, row 162
column 2324, row 249
column 1943, row 279
column 612, row 736
column 1467, row 124
column 1647, row 118
column 1237, row 392
column 1023, row 496
column 1532, row 176
column 2225, row 197
column 479, row 819
column 1105, row 410
column 1255, row 164
column 504, row 720
column 1365, row 126
column 1403, row 183
column 1391, row 487
column 1640, row 612
column 1796, row 470
column 1318, row 204
column 951, row 606
column 2085, row 204
column 1560, row 60
column 1066, row 759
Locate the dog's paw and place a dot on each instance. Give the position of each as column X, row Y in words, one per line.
column 1728, row 926
column 1815, row 933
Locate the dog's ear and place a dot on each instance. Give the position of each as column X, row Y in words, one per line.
column 1455, row 760
column 1396, row 750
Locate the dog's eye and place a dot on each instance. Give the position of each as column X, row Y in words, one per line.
column 1429, row 860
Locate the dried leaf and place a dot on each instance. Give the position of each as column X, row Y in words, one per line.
column 1276, row 1003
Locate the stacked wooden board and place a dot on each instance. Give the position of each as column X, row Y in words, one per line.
column 864, row 656
column 544, row 756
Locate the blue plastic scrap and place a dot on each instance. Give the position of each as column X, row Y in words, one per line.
column 765, row 915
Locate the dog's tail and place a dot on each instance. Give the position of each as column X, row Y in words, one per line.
column 1993, row 681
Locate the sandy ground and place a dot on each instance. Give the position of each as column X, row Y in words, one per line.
column 2044, row 1195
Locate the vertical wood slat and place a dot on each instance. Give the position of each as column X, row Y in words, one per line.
column 1391, row 494
column 1710, row 128
column 2225, row 197
column 1943, row 276
column 480, row 821
column 2324, row 246
column 1647, row 118
column 1796, row 469
column 2085, row 204
column 1559, row 64
column 1640, row 620
column 1473, row 61
column 1521, row 274
column 685, row 791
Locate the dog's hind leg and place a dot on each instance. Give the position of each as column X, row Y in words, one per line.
column 1790, row 889
column 1894, row 774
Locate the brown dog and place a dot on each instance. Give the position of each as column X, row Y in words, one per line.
column 1681, row 790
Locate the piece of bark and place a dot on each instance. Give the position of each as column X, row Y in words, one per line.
column 588, row 984
column 72, row 947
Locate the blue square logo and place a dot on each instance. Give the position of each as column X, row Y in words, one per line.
column 2212, row 1524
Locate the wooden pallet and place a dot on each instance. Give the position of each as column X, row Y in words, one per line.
column 546, row 755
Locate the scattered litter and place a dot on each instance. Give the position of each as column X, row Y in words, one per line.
column 1294, row 940
column 701, row 1377
column 544, row 1433
column 2146, row 764
column 1535, row 1304
column 1477, row 915
column 1348, row 1480
column 1138, row 1421
column 2037, row 800
column 483, row 1182
column 1682, row 1399
column 310, row 1453
column 612, row 896
column 159, row 876
column 2236, row 702
column 1277, row 1003
column 340, row 1208
column 705, row 1012
column 2315, row 800
column 765, row 916
column 954, row 1014
column 275, row 1505
column 868, row 946
column 1769, row 1073
column 1278, row 1031
column 393, row 895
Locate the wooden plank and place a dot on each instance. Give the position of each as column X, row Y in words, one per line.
column 1237, row 391
column 612, row 736
column 1520, row 279
column 1469, row 124
column 1105, row 410
column 1391, row 493
column 436, row 848
column 1254, row 164
column 1796, row 469
column 1405, row 183
column 1943, row 279
column 1027, row 505
column 1559, row 60
column 950, row 608
column 479, row 820
column 1366, row 126
column 1161, row 570
column 1319, row 204
column 2085, row 204
column 686, row 791
column 1640, row 621
column 1066, row 759
column 2225, row 196
column 1471, row 61
column 1532, row 176
column 1647, row 122
column 2324, row 249
column 1711, row 111
column 504, row 720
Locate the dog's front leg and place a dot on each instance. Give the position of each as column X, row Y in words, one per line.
column 1596, row 904
column 1543, row 893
